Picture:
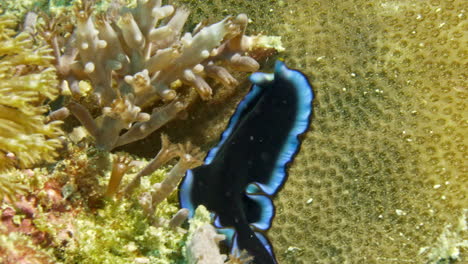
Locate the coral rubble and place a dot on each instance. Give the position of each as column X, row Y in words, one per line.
column 66, row 215
column 202, row 240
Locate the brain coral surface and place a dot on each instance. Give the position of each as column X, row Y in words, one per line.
column 381, row 175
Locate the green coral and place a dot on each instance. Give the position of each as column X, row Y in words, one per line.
column 19, row 8
column 10, row 186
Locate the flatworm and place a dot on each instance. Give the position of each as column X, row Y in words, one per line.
column 248, row 166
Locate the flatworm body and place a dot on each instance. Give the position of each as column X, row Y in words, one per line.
column 248, row 165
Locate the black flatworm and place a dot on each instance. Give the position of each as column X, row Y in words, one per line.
column 248, row 165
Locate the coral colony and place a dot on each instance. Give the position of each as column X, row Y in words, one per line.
column 93, row 206
column 27, row 80
column 132, row 60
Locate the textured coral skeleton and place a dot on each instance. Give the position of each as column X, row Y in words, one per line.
column 139, row 57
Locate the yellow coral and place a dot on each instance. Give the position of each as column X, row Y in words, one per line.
column 381, row 173
column 27, row 79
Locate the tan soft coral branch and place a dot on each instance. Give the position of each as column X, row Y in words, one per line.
column 120, row 165
column 167, row 152
column 189, row 157
column 132, row 59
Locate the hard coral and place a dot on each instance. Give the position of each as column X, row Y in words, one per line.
column 381, row 172
column 135, row 58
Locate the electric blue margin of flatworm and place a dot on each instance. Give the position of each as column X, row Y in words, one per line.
column 248, row 165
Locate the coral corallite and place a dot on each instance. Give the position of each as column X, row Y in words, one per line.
column 382, row 176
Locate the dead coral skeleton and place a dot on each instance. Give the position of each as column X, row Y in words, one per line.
column 136, row 58
column 203, row 247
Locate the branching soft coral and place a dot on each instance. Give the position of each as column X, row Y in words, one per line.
column 137, row 57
